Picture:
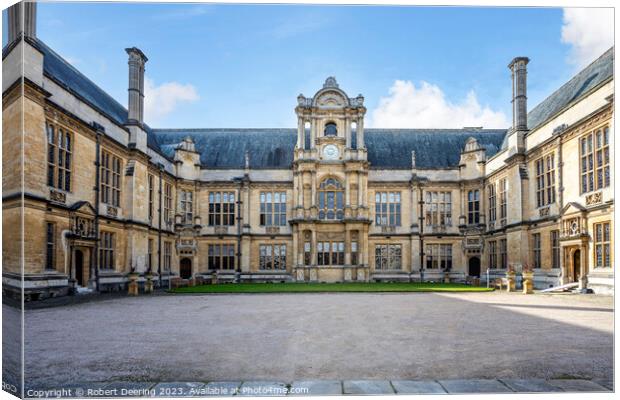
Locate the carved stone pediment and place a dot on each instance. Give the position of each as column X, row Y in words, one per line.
column 331, row 99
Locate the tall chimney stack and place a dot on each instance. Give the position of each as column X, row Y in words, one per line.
column 136, row 62
column 518, row 67
column 22, row 18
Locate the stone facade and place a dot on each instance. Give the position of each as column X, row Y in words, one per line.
column 129, row 206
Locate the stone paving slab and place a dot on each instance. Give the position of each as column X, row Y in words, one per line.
column 474, row 386
column 316, row 388
column 178, row 389
column 367, row 387
column 530, row 385
column 606, row 383
column 577, row 385
column 263, row 388
column 224, row 388
column 417, row 387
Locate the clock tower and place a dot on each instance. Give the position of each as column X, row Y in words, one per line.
column 330, row 171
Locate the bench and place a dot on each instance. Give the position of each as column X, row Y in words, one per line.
column 499, row 283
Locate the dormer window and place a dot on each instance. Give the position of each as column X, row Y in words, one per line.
column 330, row 129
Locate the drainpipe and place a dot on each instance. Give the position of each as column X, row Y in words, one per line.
column 239, row 220
column 161, row 167
column 99, row 131
column 421, row 231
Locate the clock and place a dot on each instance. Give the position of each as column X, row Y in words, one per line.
column 330, row 152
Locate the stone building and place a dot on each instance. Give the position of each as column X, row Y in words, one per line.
column 90, row 192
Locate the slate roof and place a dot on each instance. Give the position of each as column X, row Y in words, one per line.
column 273, row 148
column 598, row 72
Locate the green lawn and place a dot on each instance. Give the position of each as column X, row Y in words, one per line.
column 329, row 287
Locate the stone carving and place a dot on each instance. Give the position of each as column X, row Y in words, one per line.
column 543, row 212
column 300, row 275
column 388, row 229
column 221, row 230
column 594, row 198
column 112, row 211
column 330, row 82
column 356, row 101
column 302, row 101
column 272, row 230
column 331, row 99
column 361, row 276
column 58, row 197
column 314, row 275
column 347, row 274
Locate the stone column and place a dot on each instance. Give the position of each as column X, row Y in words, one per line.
column 313, row 132
column 347, row 132
column 313, row 261
column 347, row 246
column 360, row 133
column 313, row 177
column 301, row 129
column 359, row 189
column 295, row 246
column 347, row 189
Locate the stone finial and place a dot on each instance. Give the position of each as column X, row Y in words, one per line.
column 330, row 82
column 247, row 159
column 412, row 158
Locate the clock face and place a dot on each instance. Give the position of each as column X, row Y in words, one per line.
column 330, row 152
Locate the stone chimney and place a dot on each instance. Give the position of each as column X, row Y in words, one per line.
column 136, row 62
column 22, row 17
column 518, row 67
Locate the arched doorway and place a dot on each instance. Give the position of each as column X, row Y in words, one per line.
column 576, row 265
column 474, row 267
column 79, row 267
column 186, row 268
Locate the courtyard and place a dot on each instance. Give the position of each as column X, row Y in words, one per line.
column 322, row 336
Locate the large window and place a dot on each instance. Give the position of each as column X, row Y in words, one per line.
column 492, row 202
column 59, row 147
column 503, row 211
column 503, row 253
column 473, row 207
column 221, row 208
column 387, row 208
column 167, row 202
column 492, row 254
column 594, row 153
column 545, row 180
column 330, row 253
column 331, row 203
column 110, row 179
column 273, row 208
column 602, row 248
column 439, row 256
column 536, row 249
column 331, row 129
column 151, row 183
column 555, row 249
column 388, row 256
column 167, row 255
column 50, row 261
column 221, row 256
column 438, row 209
column 186, row 206
column 106, row 251
column 272, row 256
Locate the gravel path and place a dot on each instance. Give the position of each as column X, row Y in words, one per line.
column 321, row 336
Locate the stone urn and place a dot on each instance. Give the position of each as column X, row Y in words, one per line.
column 133, row 283
column 148, row 285
column 511, row 280
column 528, row 282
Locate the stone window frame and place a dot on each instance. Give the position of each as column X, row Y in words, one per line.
column 330, row 124
column 110, row 175
column 272, row 255
column 388, row 256
column 438, row 212
column 272, row 210
column 331, row 189
column 107, row 251
column 536, row 250
column 388, row 208
column 59, row 156
column 167, row 202
column 151, row 190
column 492, row 197
column 50, row 246
column 503, row 201
column 222, row 213
column 186, row 206
column 149, row 259
column 492, row 254
column 545, row 180
column 503, row 253
column 594, row 160
column 602, row 244
column 167, row 255
column 326, row 255
column 439, row 256
column 221, row 256
column 554, row 238
column 473, row 207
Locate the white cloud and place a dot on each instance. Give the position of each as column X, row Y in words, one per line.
column 590, row 32
column 426, row 106
column 161, row 100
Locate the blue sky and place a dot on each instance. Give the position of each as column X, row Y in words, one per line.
column 244, row 65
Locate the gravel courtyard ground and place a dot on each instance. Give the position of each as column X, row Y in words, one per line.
column 202, row 338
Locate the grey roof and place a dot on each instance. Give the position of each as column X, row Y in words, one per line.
column 601, row 70
column 273, row 148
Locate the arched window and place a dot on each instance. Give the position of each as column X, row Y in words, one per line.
column 330, row 129
column 331, row 199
